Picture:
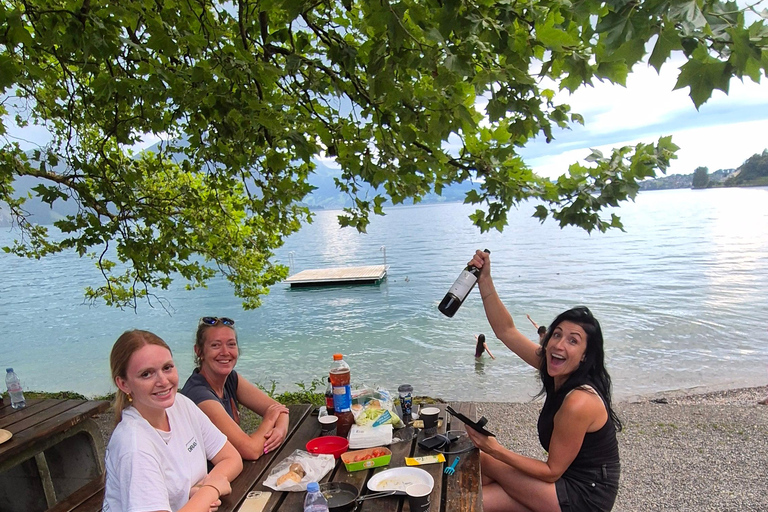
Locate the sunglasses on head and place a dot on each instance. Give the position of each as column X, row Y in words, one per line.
column 214, row 320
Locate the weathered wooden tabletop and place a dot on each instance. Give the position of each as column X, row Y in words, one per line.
column 459, row 492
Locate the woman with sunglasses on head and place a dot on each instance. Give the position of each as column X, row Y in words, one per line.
column 157, row 455
column 218, row 389
column 577, row 425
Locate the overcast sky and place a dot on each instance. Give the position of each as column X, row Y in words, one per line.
column 722, row 134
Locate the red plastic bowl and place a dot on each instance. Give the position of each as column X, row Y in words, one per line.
column 333, row 445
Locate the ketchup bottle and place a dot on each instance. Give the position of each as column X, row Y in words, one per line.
column 342, row 395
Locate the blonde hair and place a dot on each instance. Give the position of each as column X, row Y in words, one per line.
column 125, row 346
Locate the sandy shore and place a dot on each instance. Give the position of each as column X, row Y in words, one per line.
column 679, row 451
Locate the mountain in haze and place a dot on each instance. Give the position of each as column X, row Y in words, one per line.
column 325, row 196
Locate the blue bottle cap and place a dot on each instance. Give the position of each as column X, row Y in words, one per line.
column 313, row 487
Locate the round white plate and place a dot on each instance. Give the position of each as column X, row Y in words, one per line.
column 5, row 435
column 397, row 479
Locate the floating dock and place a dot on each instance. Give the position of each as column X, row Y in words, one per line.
column 343, row 276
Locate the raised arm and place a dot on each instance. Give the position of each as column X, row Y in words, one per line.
column 535, row 326
column 501, row 321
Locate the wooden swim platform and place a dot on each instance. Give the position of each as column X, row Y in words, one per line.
column 372, row 274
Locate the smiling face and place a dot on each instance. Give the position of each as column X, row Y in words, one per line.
column 219, row 352
column 565, row 351
column 150, row 379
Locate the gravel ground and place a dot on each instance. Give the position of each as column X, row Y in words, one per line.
column 679, row 451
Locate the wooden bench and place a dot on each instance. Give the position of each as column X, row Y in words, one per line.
column 88, row 498
column 56, row 448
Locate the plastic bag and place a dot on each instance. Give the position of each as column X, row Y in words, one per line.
column 315, row 467
column 374, row 407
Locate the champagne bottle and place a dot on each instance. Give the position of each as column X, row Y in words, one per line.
column 460, row 289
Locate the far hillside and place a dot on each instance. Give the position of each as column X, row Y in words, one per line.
column 752, row 173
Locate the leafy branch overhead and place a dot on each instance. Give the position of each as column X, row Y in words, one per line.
column 408, row 96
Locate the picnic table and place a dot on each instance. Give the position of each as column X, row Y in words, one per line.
column 55, row 449
column 460, row 492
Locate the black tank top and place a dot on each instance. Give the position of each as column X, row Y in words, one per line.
column 598, row 448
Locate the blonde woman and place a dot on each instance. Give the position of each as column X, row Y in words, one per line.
column 157, row 455
column 218, row 390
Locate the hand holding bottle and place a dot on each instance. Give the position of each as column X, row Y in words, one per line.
column 482, row 261
column 460, row 289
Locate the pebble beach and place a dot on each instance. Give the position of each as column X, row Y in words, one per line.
column 680, row 451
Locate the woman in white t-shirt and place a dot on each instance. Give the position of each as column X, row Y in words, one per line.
column 157, row 455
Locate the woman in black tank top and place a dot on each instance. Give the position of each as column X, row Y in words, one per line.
column 577, row 425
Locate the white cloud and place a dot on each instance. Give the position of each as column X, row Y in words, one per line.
column 723, row 133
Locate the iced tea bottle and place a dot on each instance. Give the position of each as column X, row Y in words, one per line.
column 342, row 395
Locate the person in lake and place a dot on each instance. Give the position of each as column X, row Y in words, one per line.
column 218, row 390
column 577, row 425
column 157, row 456
column 481, row 346
column 541, row 330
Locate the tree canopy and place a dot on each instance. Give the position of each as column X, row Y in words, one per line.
column 409, row 96
column 700, row 177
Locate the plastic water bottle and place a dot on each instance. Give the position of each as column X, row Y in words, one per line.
column 314, row 501
column 14, row 389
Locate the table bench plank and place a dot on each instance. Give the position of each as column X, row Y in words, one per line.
column 88, row 498
column 56, row 449
column 59, row 416
column 254, row 472
column 10, row 416
column 463, row 491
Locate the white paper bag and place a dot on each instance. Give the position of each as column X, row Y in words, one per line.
column 368, row 437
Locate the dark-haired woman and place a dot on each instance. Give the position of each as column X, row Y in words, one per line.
column 218, row 389
column 481, row 346
column 577, row 425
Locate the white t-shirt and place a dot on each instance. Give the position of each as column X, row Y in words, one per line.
column 146, row 473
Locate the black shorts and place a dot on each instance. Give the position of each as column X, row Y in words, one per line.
column 588, row 489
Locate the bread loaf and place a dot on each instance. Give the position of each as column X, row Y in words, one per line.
column 289, row 476
column 298, row 469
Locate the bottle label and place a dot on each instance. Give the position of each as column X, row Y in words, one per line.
column 342, row 398
column 463, row 285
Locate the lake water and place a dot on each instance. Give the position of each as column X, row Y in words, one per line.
column 682, row 296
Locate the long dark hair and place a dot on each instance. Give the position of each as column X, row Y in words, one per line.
column 592, row 369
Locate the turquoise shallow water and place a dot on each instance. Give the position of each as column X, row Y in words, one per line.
column 682, row 295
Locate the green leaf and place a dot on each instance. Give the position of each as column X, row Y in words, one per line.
column 667, row 41
column 702, row 77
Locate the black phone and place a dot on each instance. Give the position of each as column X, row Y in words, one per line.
column 478, row 425
column 438, row 441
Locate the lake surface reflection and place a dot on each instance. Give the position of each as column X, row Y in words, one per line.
column 682, row 296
